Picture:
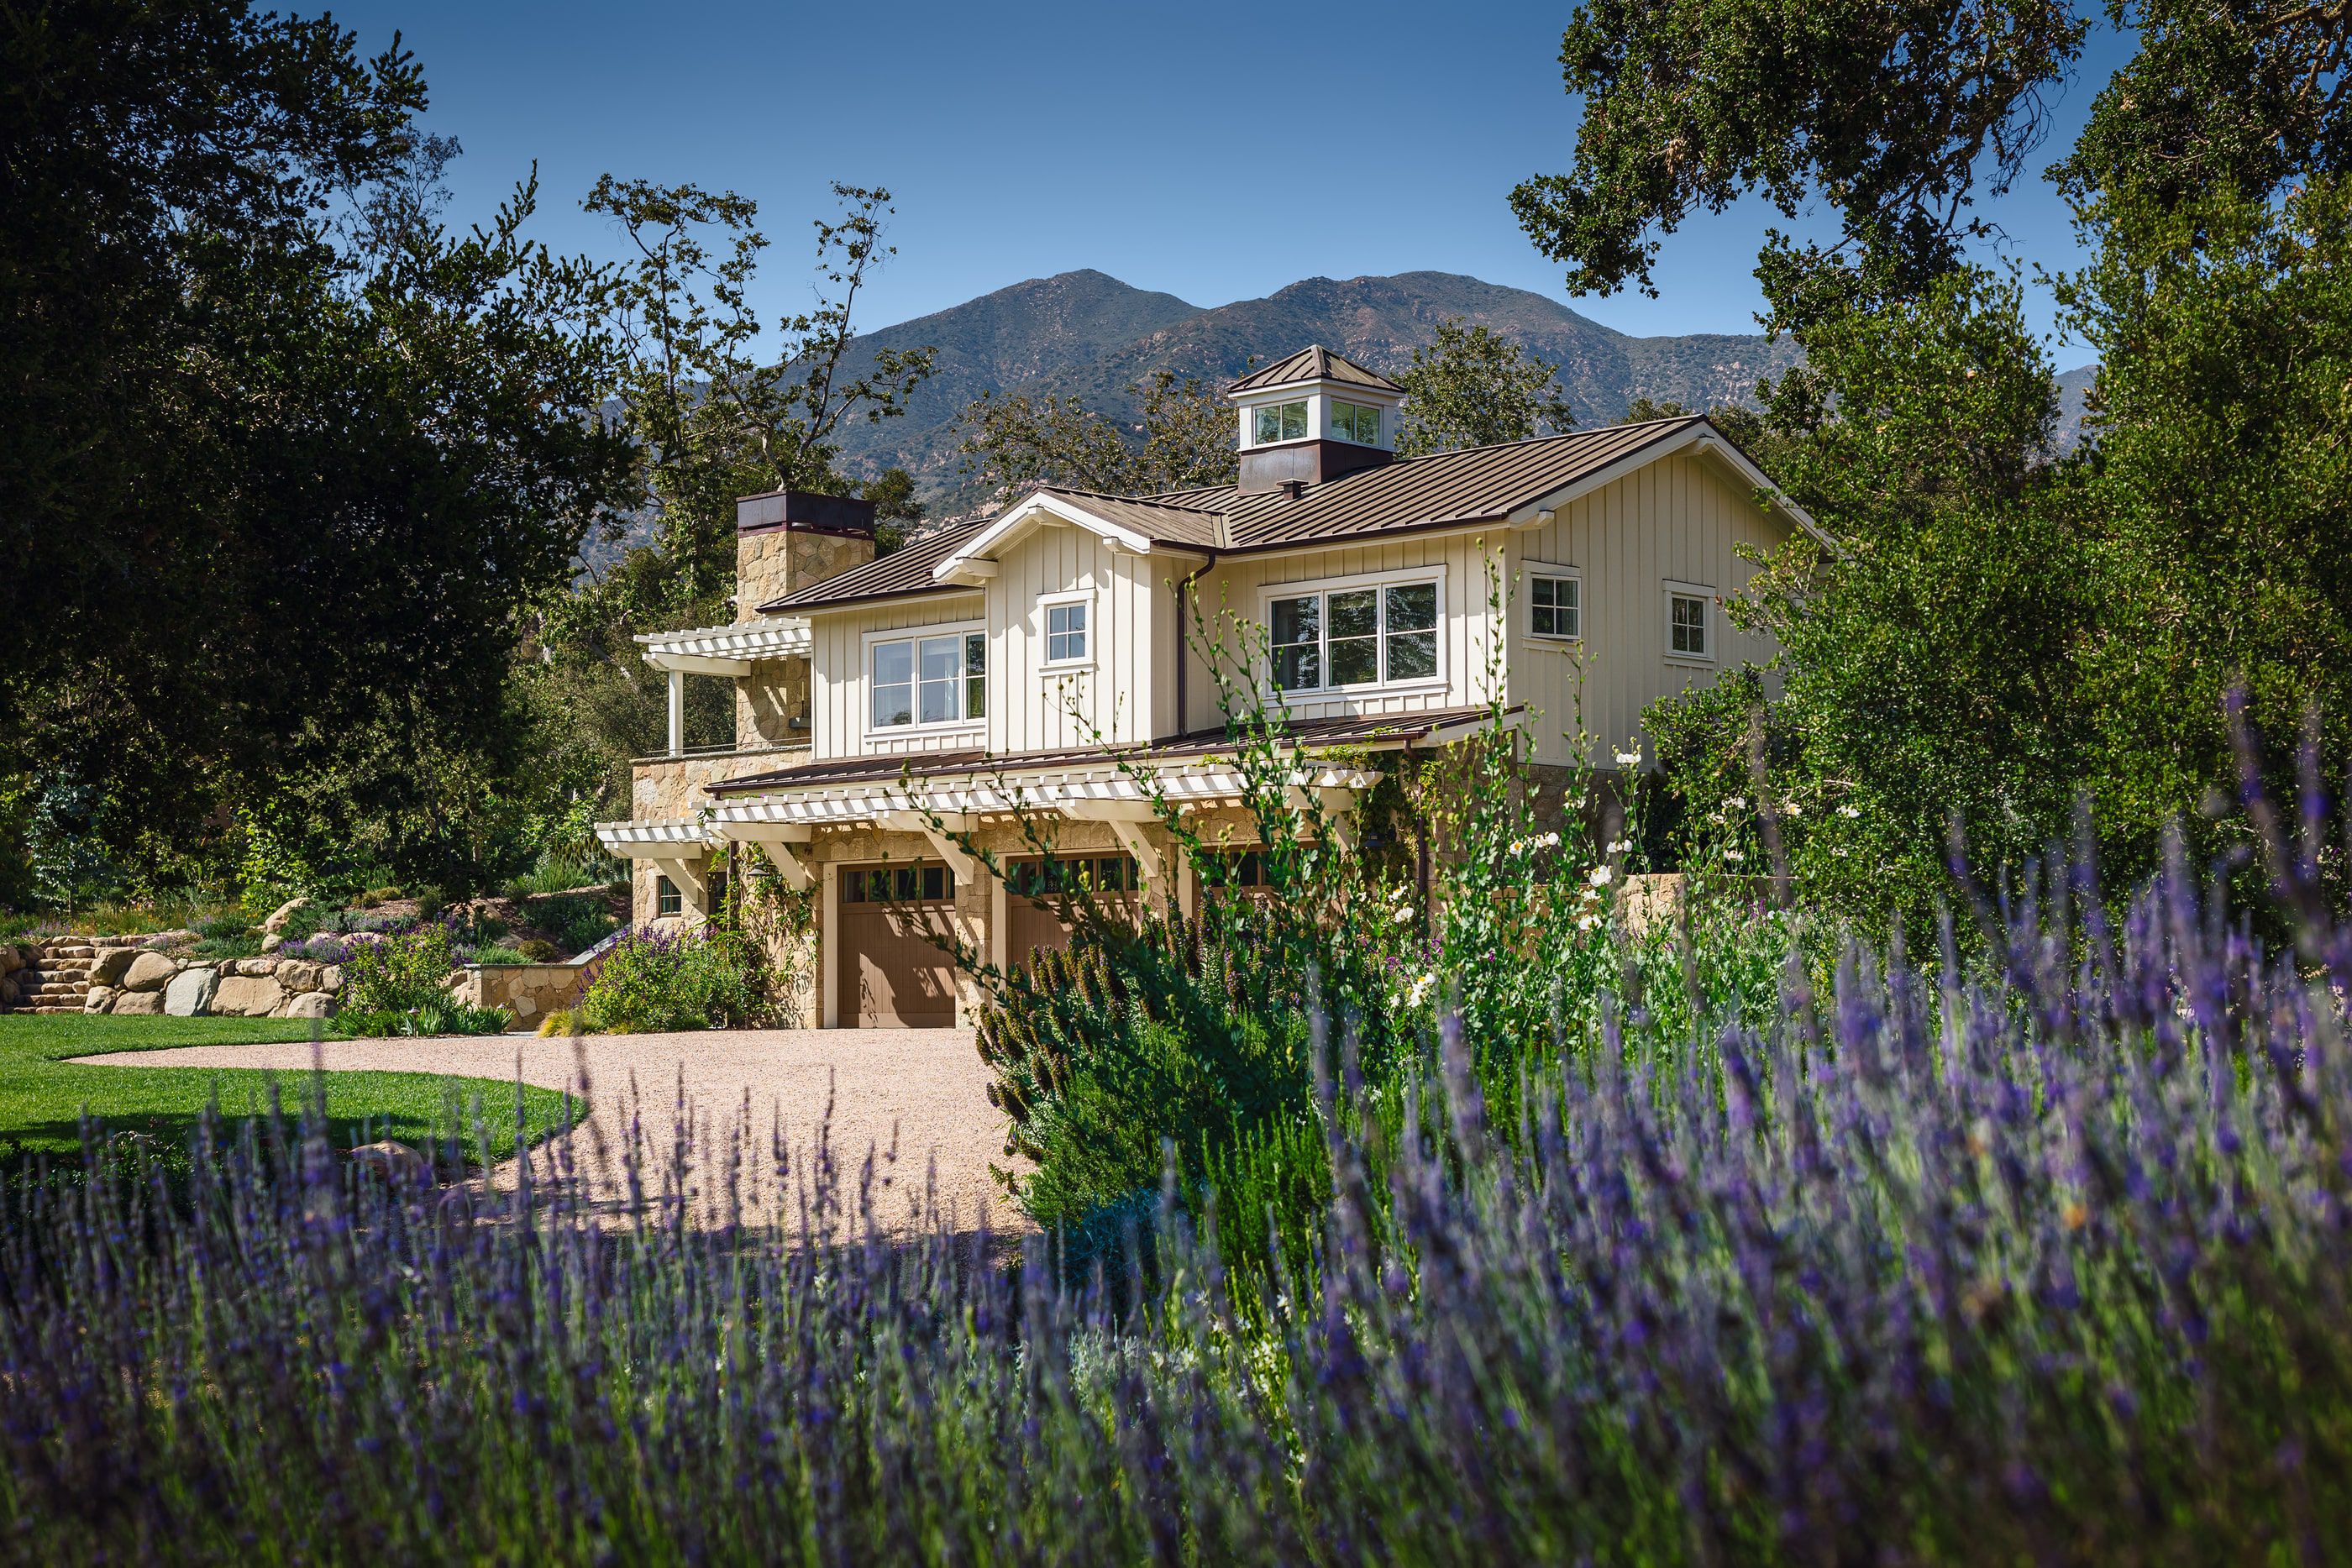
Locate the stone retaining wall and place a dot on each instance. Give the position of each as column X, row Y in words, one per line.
column 527, row 991
column 130, row 975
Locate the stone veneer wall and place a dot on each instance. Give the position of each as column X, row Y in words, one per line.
column 777, row 558
column 527, row 991
column 669, row 790
column 771, row 704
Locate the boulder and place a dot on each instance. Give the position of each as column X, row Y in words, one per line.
column 110, row 964
column 189, row 991
column 331, row 978
column 147, row 972
column 257, row 967
column 247, row 997
column 10, row 995
column 311, row 1005
column 10, row 959
column 146, row 1004
column 298, row 975
column 271, row 943
column 283, row 913
column 96, row 1000
column 395, row 1163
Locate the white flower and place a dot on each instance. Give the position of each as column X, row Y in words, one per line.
column 1599, row 877
column 1734, row 856
column 1795, row 810
column 1629, row 758
column 1420, row 990
column 1546, row 840
column 1622, row 846
column 1584, row 921
column 1838, row 851
column 1736, row 803
column 1402, row 914
column 1403, row 891
column 1849, row 812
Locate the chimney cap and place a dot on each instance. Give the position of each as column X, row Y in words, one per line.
column 804, row 511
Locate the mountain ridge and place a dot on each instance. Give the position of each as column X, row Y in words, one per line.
column 1087, row 334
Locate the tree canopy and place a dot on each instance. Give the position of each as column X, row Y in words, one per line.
column 1467, row 387
column 2007, row 632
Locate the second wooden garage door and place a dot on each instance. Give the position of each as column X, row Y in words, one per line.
column 889, row 974
column 1112, row 878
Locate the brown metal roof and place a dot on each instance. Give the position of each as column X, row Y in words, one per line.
column 1316, row 364
column 1157, row 520
column 1445, row 489
column 1348, row 729
column 1470, row 485
column 906, row 571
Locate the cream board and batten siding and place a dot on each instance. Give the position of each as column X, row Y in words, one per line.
column 1126, row 608
column 1676, row 520
column 838, row 712
column 1243, row 583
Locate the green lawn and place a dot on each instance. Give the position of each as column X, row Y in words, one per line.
column 42, row 1097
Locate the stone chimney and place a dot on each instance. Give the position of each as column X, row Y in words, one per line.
column 787, row 539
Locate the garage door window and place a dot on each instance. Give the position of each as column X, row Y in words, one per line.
column 897, row 884
column 1096, row 873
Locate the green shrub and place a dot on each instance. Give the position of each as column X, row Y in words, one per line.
column 579, row 920
column 709, row 977
column 442, row 1015
column 375, row 897
column 397, row 976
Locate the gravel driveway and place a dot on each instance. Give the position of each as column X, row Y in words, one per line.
column 921, row 1090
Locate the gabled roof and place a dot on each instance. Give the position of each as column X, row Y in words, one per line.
column 1316, row 364
column 1510, row 485
column 1475, row 485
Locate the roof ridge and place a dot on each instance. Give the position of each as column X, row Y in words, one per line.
column 1150, row 498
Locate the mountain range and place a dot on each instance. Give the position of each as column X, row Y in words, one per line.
column 1088, row 335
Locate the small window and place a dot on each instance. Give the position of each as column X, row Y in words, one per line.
column 1556, row 606
column 1066, row 632
column 1357, row 422
column 1280, row 421
column 1687, row 628
column 897, row 884
column 1354, row 637
column 930, row 680
column 669, row 902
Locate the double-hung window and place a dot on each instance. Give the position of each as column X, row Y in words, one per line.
column 1066, row 631
column 1555, row 605
column 1689, row 624
column 1378, row 634
column 1278, row 422
column 935, row 680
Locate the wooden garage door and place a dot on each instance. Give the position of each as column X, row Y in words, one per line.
column 1114, row 880
column 889, row 972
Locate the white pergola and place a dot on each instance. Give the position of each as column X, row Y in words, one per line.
column 718, row 651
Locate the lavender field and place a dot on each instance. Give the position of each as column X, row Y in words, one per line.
column 2037, row 1256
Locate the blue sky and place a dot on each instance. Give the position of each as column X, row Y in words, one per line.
column 1215, row 151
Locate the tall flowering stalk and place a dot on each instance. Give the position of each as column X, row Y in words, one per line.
column 2039, row 1259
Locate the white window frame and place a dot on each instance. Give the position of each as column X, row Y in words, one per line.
column 1401, row 577
column 1531, row 569
column 916, row 634
column 1699, row 591
column 1046, row 604
column 1257, row 408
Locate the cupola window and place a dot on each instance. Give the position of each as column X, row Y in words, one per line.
column 1280, row 421
column 1356, row 421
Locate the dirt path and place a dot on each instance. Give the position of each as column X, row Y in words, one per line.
column 922, row 1091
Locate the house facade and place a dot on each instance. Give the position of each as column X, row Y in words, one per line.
column 1020, row 679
